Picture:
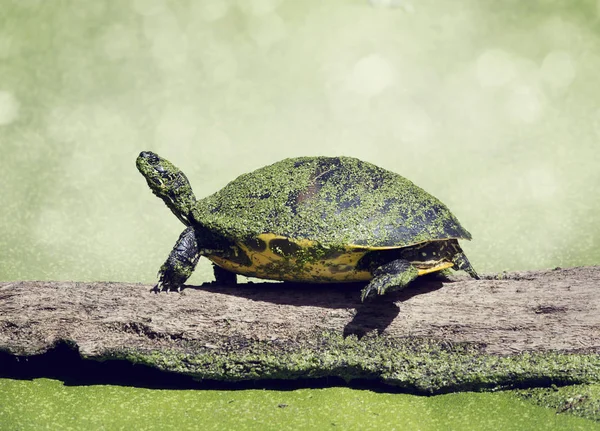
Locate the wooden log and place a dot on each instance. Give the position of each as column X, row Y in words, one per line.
column 514, row 312
column 536, row 311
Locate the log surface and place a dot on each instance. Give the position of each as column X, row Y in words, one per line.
column 526, row 311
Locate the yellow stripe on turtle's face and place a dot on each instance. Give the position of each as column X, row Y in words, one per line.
column 277, row 257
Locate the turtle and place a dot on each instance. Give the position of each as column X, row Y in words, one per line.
column 309, row 219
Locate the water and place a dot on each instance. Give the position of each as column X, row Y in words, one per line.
column 44, row 403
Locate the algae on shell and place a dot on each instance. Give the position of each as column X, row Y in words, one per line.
column 333, row 200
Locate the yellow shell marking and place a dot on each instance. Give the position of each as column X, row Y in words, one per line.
column 308, row 262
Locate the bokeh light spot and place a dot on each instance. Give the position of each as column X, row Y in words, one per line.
column 524, row 104
column 558, row 69
column 371, row 75
column 9, row 108
column 495, row 68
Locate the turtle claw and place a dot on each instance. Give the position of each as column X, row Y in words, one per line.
column 372, row 291
column 162, row 287
column 159, row 287
column 366, row 293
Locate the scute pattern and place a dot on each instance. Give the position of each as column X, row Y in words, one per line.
column 335, row 201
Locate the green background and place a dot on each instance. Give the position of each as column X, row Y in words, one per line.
column 493, row 107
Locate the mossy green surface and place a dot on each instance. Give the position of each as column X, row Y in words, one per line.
column 48, row 404
column 168, row 183
column 579, row 400
column 333, row 200
column 416, row 365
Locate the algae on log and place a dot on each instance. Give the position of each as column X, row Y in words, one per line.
column 439, row 334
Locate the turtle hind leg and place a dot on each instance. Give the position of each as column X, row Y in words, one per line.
column 462, row 263
column 181, row 262
column 394, row 275
column 222, row 276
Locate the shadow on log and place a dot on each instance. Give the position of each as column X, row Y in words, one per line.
column 437, row 335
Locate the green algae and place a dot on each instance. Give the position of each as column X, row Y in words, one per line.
column 48, row 404
column 579, row 400
column 415, row 365
column 333, row 200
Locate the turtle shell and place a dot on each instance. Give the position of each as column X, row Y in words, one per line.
column 332, row 201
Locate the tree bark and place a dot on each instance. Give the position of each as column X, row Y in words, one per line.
column 552, row 310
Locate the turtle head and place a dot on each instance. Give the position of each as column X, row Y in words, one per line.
column 168, row 183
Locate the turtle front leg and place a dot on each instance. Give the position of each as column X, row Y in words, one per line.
column 394, row 275
column 181, row 262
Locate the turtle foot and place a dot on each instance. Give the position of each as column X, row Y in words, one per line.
column 394, row 275
column 161, row 287
column 378, row 286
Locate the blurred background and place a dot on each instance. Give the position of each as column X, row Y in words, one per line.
column 491, row 106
